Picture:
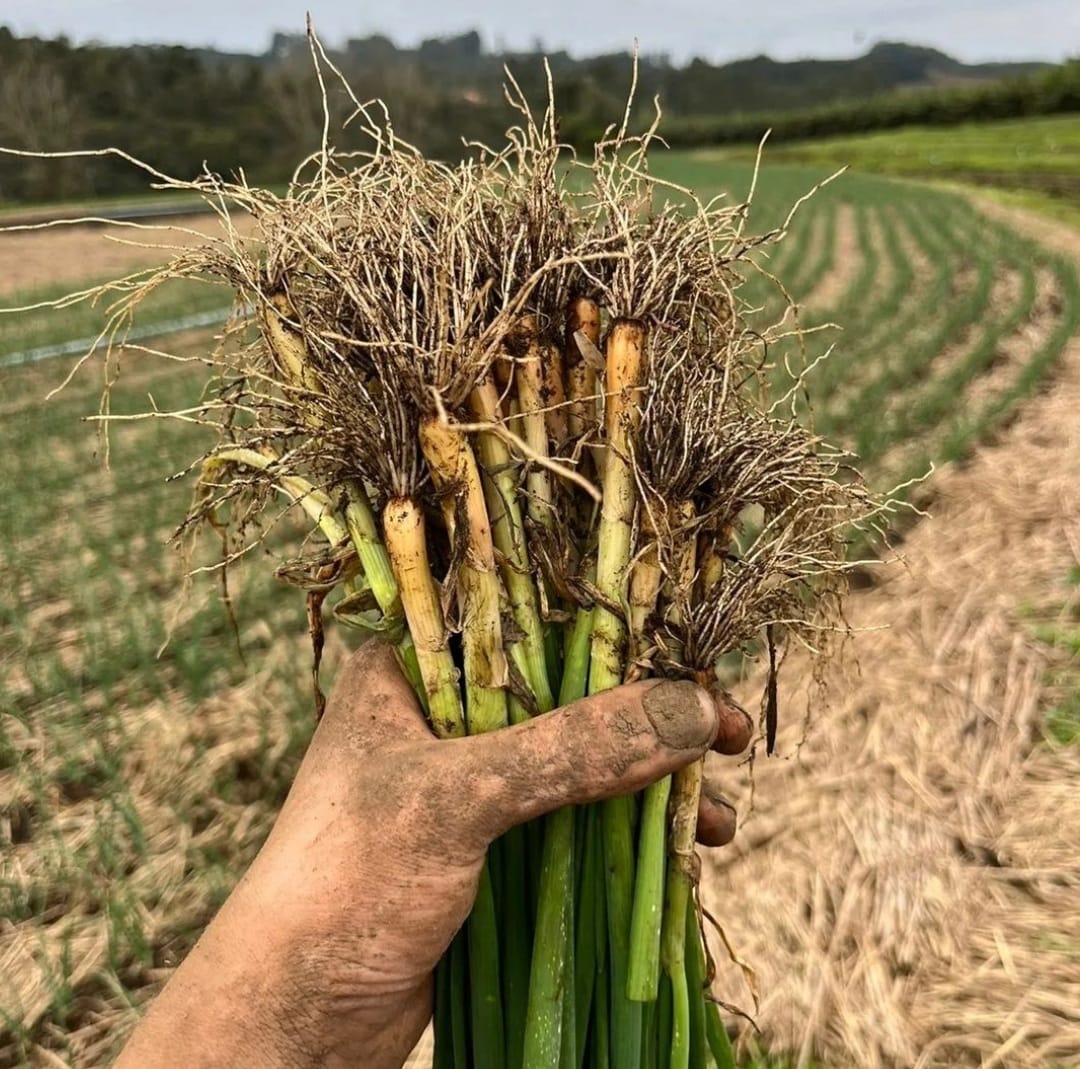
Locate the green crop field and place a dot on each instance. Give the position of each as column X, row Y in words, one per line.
column 947, row 318
column 145, row 744
column 1041, row 150
column 1039, row 156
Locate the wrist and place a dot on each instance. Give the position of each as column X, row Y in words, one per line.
column 233, row 1002
column 268, row 987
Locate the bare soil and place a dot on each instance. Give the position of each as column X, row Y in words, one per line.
column 847, row 260
column 1054, row 235
column 1004, row 292
column 857, row 376
column 69, row 254
column 1016, row 349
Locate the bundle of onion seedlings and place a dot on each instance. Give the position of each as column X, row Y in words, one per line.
column 521, row 405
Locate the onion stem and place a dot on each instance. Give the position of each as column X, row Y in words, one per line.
column 456, row 476
column 508, row 532
column 551, row 986
column 624, row 375
column 583, row 315
column 686, row 794
column 406, row 543
column 360, row 521
column 532, row 396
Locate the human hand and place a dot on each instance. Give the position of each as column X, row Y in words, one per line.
column 323, row 955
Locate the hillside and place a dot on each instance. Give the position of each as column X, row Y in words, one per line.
column 178, row 108
column 757, row 83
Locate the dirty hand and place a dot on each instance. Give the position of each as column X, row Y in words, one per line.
column 323, row 954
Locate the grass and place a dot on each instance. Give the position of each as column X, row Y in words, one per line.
column 171, row 200
column 46, row 327
column 1040, row 154
column 1033, row 164
column 139, row 776
column 1061, row 209
column 91, row 205
column 1058, row 629
column 1063, row 721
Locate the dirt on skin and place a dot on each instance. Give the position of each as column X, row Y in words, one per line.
column 70, row 254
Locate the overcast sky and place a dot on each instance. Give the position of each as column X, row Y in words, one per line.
column 969, row 29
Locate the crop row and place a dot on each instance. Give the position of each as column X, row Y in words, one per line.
column 948, row 319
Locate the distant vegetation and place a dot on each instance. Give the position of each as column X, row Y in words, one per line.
column 1040, row 154
column 180, row 108
column 1046, row 92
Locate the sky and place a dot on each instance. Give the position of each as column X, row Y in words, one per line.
column 971, row 30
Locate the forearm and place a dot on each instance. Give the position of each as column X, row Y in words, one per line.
column 231, row 1003
column 275, row 983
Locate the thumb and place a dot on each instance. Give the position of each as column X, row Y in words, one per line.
column 606, row 745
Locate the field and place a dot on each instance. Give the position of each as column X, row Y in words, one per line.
column 948, row 318
column 145, row 744
column 1034, row 160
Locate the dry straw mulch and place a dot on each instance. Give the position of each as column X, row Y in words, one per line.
column 907, row 884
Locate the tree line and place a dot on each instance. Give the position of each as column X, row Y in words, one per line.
column 1050, row 92
column 181, row 109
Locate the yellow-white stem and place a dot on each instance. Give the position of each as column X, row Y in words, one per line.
column 529, row 377
column 457, row 478
column 625, row 369
column 406, row 543
column 582, row 315
column 645, row 580
column 555, row 396
column 287, row 344
column 313, row 501
column 508, row 533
